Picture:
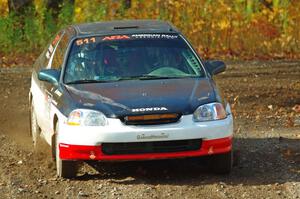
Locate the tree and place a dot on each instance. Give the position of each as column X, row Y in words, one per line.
column 55, row 6
column 127, row 4
column 20, row 6
column 3, row 8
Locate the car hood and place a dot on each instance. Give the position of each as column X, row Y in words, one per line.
column 132, row 97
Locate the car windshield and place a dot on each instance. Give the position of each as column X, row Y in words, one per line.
column 125, row 57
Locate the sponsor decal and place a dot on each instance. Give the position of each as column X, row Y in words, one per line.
column 80, row 42
column 50, row 49
column 155, row 36
column 58, row 93
column 48, row 99
column 56, row 39
column 47, row 55
column 115, row 37
column 149, row 137
column 54, row 102
column 88, row 104
column 149, row 109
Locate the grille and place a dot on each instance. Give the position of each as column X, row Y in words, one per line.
column 151, row 147
column 151, row 119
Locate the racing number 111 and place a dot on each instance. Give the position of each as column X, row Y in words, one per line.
column 80, row 42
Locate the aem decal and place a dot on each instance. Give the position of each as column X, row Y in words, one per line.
column 115, row 37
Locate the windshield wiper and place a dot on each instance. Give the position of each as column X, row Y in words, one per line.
column 87, row 81
column 155, row 77
column 138, row 77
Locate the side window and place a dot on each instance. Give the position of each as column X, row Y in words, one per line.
column 59, row 52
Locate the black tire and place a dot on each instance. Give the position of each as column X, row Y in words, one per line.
column 35, row 131
column 64, row 168
column 221, row 163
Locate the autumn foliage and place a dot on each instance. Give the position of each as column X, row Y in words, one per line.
column 218, row 28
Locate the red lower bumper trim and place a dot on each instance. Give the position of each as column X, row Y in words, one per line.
column 80, row 152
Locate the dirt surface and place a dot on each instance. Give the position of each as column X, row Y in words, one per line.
column 267, row 146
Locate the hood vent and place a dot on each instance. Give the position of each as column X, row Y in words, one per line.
column 151, row 119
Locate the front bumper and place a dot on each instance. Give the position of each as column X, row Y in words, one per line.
column 84, row 143
column 79, row 152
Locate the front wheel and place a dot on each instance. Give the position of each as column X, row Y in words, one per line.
column 221, row 163
column 64, row 168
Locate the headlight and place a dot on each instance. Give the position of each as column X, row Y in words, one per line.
column 209, row 112
column 84, row 117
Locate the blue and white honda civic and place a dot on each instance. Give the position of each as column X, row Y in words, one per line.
column 128, row 90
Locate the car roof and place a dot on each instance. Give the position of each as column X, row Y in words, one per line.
column 124, row 27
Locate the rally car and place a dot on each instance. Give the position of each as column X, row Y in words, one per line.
column 128, row 90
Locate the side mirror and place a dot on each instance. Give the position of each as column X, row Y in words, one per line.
column 215, row 67
column 49, row 75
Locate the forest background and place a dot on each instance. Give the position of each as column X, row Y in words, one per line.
column 227, row 29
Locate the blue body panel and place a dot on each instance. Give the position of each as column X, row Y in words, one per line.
column 117, row 99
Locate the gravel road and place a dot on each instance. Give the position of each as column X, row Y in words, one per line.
column 267, row 146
